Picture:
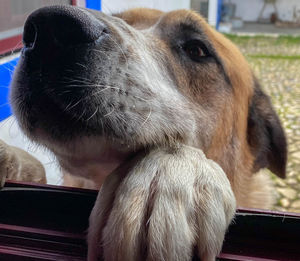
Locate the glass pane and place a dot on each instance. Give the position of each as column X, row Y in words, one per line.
column 13, row 14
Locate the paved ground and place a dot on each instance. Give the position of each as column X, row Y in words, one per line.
column 276, row 62
column 261, row 28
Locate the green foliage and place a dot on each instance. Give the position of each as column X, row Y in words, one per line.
column 279, row 40
column 287, row 57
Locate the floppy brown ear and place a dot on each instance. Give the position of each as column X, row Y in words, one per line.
column 265, row 134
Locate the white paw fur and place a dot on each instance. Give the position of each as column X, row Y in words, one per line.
column 170, row 203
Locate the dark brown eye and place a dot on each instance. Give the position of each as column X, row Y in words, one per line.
column 195, row 50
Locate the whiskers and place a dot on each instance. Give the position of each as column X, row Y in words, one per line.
column 120, row 48
column 93, row 114
column 147, row 118
column 91, row 102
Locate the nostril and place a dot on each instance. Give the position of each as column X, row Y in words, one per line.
column 29, row 35
column 105, row 31
column 61, row 26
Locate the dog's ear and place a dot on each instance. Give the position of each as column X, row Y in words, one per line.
column 265, row 134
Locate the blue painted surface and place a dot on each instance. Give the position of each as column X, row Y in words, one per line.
column 6, row 70
column 93, row 4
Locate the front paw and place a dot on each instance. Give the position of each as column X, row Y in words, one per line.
column 18, row 165
column 4, row 160
column 191, row 208
column 169, row 204
column 215, row 208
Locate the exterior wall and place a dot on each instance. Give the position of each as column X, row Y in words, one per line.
column 212, row 12
column 111, row 6
column 249, row 10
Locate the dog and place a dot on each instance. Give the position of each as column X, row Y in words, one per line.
column 164, row 104
column 17, row 164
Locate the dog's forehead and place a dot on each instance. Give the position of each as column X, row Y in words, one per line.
column 183, row 17
column 186, row 25
column 144, row 18
column 140, row 18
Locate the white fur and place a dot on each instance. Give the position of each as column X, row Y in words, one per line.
column 169, row 202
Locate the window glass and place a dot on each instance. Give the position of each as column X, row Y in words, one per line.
column 13, row 14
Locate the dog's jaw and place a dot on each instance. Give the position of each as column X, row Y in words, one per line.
column 96, row 166
column 93, row 158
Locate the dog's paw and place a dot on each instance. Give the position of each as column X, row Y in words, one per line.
column 215, row 207
column 193, row 204
column 169, row 204
column 4, row 160
column 18, row 165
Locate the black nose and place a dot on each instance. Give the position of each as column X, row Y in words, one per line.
column 61, row 26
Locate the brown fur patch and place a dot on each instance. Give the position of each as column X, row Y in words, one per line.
column 229, row 142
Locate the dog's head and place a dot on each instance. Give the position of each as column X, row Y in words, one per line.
column 95, row 87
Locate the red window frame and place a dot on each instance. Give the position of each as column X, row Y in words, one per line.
column 44, row 222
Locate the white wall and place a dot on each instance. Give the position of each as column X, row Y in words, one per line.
column 111, row 6
column 249, row 10
column 212, row 12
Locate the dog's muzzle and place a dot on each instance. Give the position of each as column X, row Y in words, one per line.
column 61, row 63
column 83, row 73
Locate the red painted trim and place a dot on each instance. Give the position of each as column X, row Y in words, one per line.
column 74, row 2
column 38, row 231
column 11, row 44
column 232, row 257
column 12, row 184
column 256, row 211
column 19, row 253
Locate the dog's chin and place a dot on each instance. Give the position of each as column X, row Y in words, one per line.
column 93, row 157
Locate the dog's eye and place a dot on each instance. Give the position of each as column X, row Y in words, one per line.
column 195, row 50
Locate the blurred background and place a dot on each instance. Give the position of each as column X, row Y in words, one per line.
column 266, row 31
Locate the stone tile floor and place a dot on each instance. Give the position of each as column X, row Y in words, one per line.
column 276, row 63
